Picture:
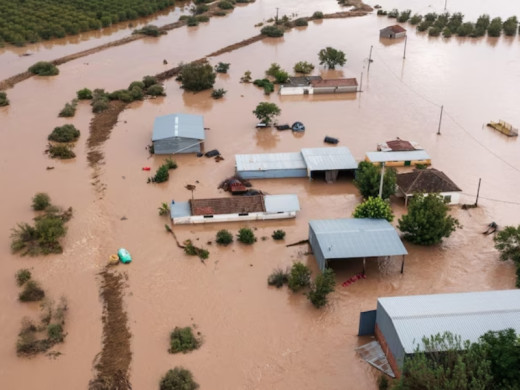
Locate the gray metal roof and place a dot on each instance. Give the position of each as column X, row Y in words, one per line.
column 357, row 237
column 469, row 315
column 178, row 125
column 324, row 159
column 398, row 156
column 180, row 209
column 269, row 161
column 281, row 203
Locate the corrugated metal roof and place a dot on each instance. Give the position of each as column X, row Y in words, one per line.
column 269, row 161
column 281, row 203
column 357, row 237
column 178, row 125
column 398, row 156
column 180, row 209
column 324, row 159
column 469, row 315
column 334, row 83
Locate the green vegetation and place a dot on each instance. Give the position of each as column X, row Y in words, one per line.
column 4, row 101
column 164, row 209
column 99, row 101
column 275, row 71
column 323, row 285
column 278, row 278
column 507, row 242
column 63, row 152
column 197, row 77
column 299, row 277
column 36, row 20
column 374, row 208
column 41, row 201
column 303, row 67
column 224, row 237
column 183, row 340
column 84, row 94
column 178, row 379
column 278, row 235
column 192, row 250
column 331, row 57
column 266, row 112
column 368, row 178
column 161, row 175
column 170, row 164
column 23, row 275
column 149, row 30
column 43, row 68
column 272, row 31
column 266, row 84
column 300, row 22
column 427, row 221
column 224, row 4
column 317, row 15
column 246, row 236
column 222, row 67
column 32, row 292
column 69, row 110
column 65, row 133
column 246, row 78
column 218, row 93
column 510, row 26
column 404, row 16
column 199, row 9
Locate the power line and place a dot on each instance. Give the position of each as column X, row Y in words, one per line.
column 494, row 200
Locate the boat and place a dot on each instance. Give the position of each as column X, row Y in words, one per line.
column 124, row 255
column 504, row 128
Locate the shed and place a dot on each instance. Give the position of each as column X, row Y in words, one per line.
column 402, row 322
column 298, row 85
column 395, row 31
column 270, row 165
column 398, row 145
column 178, row 133
column 427, row 181
column 328, row 161
column 399, row 159
column 351, row 238
column 334, row 86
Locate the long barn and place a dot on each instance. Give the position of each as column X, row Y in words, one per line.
column 178, row 133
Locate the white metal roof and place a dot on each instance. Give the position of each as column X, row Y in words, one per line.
column 281, row 203
column 178, row 125
column 269, row 161
column 357, row 237
column 398, row 156
column 180, row 209
column 332, row 158
column 469, row 315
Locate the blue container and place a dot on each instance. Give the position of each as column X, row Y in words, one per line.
column 124, row 255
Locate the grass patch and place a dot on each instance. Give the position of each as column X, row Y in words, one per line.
column 183, row 340
column 278, row 278
column 65, row 133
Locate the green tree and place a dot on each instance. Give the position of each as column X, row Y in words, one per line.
column 331, row 57
column 224, row 237
column 272, row 31
column 222, row 67
column 323, row 285
column 374, row 208
column 368, row 178
column 303, row 67
column 502, row 349
column 427, row 221
column 246, row 236
column 84, row 94
column 43, row 68
column 178, row 379
column 266, row 112
column 299, row 277
column 4, row 101
column 197, row 77
column 507, row 242
column 510, row 26
column 41, row 201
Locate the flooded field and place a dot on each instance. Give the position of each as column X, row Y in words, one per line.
column 255, row 337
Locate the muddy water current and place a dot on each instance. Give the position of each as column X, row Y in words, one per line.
column 255, row 337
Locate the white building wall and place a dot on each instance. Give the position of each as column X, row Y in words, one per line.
column 295, row 90
column 193, row 219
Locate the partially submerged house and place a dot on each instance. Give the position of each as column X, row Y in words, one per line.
column 178, row 133
column 236, row 208
column 326, row 162
column 312, row 85
column 353, row 238
column 395, row 31
column 399, row 159
column 426, row 181
column 400, row 323
column 298, row 85
column 398, row 145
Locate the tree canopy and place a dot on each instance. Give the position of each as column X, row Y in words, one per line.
column 368, row 177
column 266, row 112
column 507, row 242
column 197, row 77
column 331, row 57
column 374, row 208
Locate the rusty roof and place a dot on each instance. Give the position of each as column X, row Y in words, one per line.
column 334, row 83
column 425, row 181
column 395, row 28
column 400, row 145
column 234, row 205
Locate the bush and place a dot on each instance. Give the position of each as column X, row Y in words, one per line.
column 299, row 277
column 393, row 13
column 99, row 100
column 43, row 68
column 138, row 84
column 222, row 67
column 278, row 235
column 183, row 340
column 510, row 26
column 69, row 110
column 178, row 379
column 224, row 237
column 303, row 67
column 65, row 133
column 323, row 285
column 278, row 278
column 148, row 81
column 63, row 152
column 41, row 201
column 223, row 4
column 55, row 333
column 200, row 9
column 4, row 101
column 416, row 19
column 170, row 164
column 84, row 94
column 32, row 292
column 150, row 30
column 434, row 32
column 192, row 21
column 300, row 22
column 246, row 236
column 272, row 31
column 218, row 93
column 446, row 33
column 192, row 250
column 161, row 175
column 317, row 15
column 136, row 93
column 23, row 275
column 265, row 84
column 404, row 16
column 155, row 90
column 197, row 77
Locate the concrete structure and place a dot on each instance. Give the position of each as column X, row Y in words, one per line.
column 237, row 208
column 426, row 181
column 349, row 238
column 178, row 133
column 399, row 159
column 311, row 162
column 298, row 86
column 312, row 85
column 402, row 322
column 395, row 31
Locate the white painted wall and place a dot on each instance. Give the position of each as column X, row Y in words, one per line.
column 232, row 217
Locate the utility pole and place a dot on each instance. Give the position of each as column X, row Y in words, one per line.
column 370, row 58
column 478, row 191
column 445, row 2
column 405, row 41
column 440, row 121
column 276, row 19
column 381, row 182
column 361, row 82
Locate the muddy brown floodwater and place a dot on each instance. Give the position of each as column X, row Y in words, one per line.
column 255, row 337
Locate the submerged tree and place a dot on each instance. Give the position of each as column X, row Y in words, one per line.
column 331, row 57
column 197, row 77
column 374, row 208
column 266, row 112
column 368, row 179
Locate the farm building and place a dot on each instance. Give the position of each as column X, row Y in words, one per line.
column 427, row 181
column 311, row 162
column 394, row 31
column 398, row 145
column 400, row 323
column 353, row 238
column 334, row 86
column 399, row 159
column 237, row 208
column 178, row 133
column 298, row 85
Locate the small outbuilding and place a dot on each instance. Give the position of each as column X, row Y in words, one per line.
column 399, row 159
column 426, row 181
column 395, row 31
column 334, row 86
column 298, row 85
column 328, row 162
column 353, row 238
column 178, row 133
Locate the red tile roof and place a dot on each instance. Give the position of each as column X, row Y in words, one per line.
column 400, row 145
column 396, row 28
column 234, row 205
column 425, row 181
column 335, row 83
